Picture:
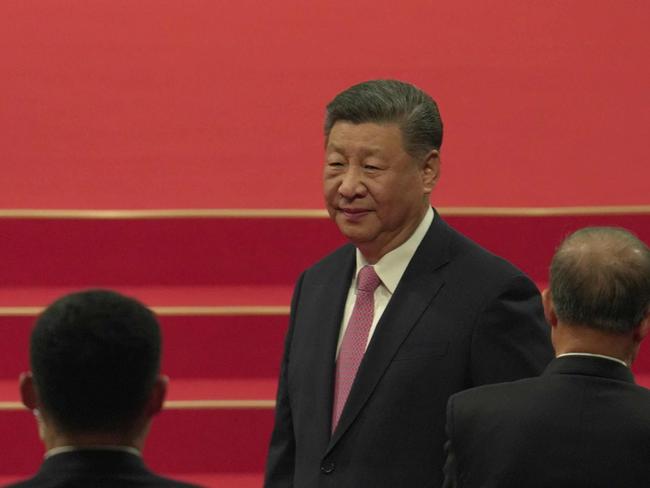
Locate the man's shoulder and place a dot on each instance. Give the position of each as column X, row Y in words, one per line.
column 26, row 483
column 162, row 482
column 342, row 255
column 497, row 391
column 639, row 398
column 547, row 389
column 151, row 481
column 471, row 268
column 465, row 250
column 63, row 474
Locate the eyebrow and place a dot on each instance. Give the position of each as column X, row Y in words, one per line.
column 371, row 151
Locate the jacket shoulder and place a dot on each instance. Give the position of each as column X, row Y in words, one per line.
column 333, row 261
column 474, row 272
column 500, row 392
column 468, row 252
column 148, row 481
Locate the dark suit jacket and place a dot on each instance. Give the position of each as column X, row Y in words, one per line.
column 460, row 317
column 583, row 423
column 97, row 469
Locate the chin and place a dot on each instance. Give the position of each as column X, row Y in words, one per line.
column 356, row 232
column 355, row 236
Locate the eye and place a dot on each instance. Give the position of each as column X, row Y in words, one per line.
column 334, row 164
column 371, row 167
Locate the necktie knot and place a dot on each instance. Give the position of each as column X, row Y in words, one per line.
column 368, row 280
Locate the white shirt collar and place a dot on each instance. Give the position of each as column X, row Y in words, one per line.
column 60, row 450
column 391, row 267
column 588, row 354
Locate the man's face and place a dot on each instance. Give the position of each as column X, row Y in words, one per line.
column 374, row 190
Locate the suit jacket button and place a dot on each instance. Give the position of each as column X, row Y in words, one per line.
column 327, row 467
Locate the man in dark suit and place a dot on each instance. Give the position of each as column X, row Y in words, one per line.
column 94, row 388
column 384, row 329
column 584, row 422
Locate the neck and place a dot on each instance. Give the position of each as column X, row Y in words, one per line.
column 53, row 437
column 582, row 339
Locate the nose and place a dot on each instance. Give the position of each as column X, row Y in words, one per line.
column 352, row 185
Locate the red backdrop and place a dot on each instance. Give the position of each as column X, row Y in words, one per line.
column 214, row 104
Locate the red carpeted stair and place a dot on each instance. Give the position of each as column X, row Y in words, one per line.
column 222, row 287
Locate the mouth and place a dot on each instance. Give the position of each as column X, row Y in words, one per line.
column 354, row 214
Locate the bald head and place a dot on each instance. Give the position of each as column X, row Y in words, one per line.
column 600, row 278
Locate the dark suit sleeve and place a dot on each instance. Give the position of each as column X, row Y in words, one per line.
column 451, row 465
column 280, row 461
column 511, row 339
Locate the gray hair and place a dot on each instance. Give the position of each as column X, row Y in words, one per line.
column 390, row 101
column 600, row 278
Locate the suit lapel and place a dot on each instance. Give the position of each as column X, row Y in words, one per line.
column 420, row 283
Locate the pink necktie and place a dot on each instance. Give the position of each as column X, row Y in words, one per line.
column 355, row 339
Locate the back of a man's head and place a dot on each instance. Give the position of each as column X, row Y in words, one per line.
column 390, row 101
column 95, row 356
column 600, row 278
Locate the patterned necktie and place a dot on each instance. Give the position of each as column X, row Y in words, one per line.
column 355, row 339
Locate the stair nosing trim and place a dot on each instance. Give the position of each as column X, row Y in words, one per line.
column 272, row 213
column 237, row 310
column 183, row 405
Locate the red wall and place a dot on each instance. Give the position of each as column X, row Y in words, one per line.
column 214, row 104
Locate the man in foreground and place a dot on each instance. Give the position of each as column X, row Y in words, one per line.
column 584, row 422
column 384, row 329
column 94, row 388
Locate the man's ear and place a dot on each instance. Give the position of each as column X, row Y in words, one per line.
column 549, row 308
column 28, row 390
column 157, row 396
column 642, row 329
column 431, row 171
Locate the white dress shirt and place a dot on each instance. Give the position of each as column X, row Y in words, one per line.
column 60, row 450
column 588, row 354
column 390, row 269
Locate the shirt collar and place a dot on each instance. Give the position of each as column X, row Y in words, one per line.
column 588, row 354
column 391, row 267
column 60, row 450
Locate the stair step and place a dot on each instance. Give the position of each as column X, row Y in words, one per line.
column 248, row 299
column 201, row 253
column 194, row 346
column 140, row 252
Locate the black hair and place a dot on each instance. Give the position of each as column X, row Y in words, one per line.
column 95, row 356
column 390, row 101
